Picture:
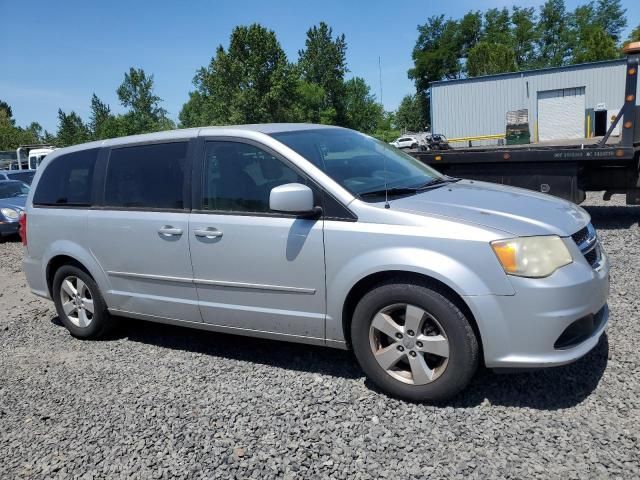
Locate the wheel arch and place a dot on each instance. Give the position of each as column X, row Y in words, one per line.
column 58, row 261
column 66, row 252
column 365, row 284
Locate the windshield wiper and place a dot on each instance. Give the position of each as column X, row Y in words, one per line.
column 436, row 182
column 407, row 190
column 389, row 191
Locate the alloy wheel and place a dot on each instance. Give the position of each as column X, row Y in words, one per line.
column 77, row 301
column 409, row 344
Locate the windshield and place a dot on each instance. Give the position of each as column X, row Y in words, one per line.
column 13, row 189
column 358, row 162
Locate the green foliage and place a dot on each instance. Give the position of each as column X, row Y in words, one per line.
column 489, row 58
column 525, row 35
column 100, row 118
column 8, row 113
column 633, row 37
column 145, row 113
column 363, row 112
column 251, row 82
column 409, row 114
column 436, row 55
column 610, row 15
column 12, row 136
column 554, row 45
column 71, row 129
column 499, row 41
column 323, row 63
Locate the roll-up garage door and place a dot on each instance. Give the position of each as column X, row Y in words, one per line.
column 561, row 114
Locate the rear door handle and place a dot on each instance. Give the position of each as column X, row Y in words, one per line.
column 169, row 231
column 208, row 232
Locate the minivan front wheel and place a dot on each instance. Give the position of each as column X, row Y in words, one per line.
column 414, row 342
column 79, row 304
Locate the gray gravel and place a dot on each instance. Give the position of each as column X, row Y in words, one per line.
column 161, row 402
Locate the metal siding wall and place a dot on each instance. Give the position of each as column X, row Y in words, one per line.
column 478, row 106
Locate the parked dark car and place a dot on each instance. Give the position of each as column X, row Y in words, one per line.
column 25, row 176
column 13, row 195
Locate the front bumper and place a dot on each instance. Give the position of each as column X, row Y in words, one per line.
column 8, row 228
column 530, row 329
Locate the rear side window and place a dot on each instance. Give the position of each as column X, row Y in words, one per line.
column 67, row 180
column 147, row 176
column 25, row 177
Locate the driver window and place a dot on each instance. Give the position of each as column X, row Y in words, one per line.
column 238, row 177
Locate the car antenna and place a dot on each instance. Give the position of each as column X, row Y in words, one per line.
column 386, row 190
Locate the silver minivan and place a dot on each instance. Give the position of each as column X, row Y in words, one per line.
column 319, row 235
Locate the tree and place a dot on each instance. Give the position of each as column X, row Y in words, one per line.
column 311, row 105
column 553, row 34
column 610, row 15
column 362, row 111
column 250, row 82
column 71, row 129
column 436, row 55
column 594, row 44
column 323, row 62
column 490, row 58
column 409, row 114
column 145, row 113
column 12, row 136
column 589, row 40
column 634, row 36
column 100, row 118
column 524, row 37
column 497, row 28
column 7, row 109
column 470, row 32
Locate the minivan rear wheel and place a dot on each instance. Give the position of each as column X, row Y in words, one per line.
column 413, row 342
column 79, row 304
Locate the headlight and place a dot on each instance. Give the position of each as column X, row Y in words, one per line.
column 532, row 256
column 9, row 213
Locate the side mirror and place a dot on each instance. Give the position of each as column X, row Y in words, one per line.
column 292, row 198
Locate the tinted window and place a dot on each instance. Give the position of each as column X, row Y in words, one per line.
column 10, row 189
column 239, row 177
column 147, row 176
column 25, row 177
column 67, row 180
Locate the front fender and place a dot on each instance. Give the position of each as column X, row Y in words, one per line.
column 466, row 276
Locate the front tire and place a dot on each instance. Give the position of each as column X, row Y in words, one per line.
column 413, row 342
column 79, row 304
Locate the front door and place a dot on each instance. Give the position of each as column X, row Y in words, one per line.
column 139, row 235
column 254, row 269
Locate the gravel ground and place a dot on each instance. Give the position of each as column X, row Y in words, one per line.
column 159, row 402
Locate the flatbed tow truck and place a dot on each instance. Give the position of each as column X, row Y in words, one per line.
column 566, row 168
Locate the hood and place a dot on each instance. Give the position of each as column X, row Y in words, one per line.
column 513, row 210
column 17, row 203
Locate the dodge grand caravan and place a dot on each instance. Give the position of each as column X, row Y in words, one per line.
column 318, row 235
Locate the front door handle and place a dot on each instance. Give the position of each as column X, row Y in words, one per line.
column 169, row 231
column 208, row 232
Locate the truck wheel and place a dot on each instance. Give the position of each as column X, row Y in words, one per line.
column 413, row 342
column 79, row 303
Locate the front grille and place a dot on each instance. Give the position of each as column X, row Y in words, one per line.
column 587, row 242
column 581, row 235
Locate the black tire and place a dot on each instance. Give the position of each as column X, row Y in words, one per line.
column 414, row 145
column 101, row 321
column 463, row 347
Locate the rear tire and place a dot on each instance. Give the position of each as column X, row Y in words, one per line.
column 413, row 342
column 79, row 303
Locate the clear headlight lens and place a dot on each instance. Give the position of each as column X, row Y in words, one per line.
column 9, row 213
column 532, row 256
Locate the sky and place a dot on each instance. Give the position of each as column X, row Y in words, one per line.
column 56, row 54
